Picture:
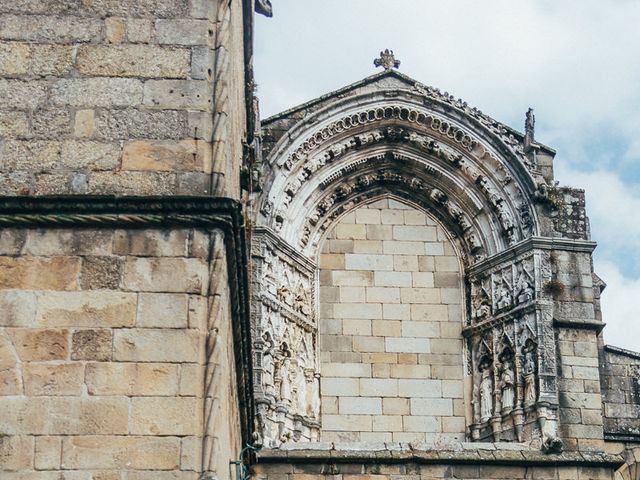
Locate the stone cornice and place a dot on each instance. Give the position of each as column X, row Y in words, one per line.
column 158, row 212
column 489, row 454
column 622, row 351
column 534, row 243
column 580, row 325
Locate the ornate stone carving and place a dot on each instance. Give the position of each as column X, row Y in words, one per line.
column 507, row 326
column 515, row 145
column 529, row 129
column 349, row 193
column 503, row 298
column 433, row 151
column 486, row 393
column 366, row 117
column 529, row 373
column 387, row 60
column 284, row 326
column 507, row 389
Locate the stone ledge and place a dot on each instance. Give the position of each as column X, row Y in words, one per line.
column 532, row 243
column 611, row 436
column 458, row 454
column 580, row 325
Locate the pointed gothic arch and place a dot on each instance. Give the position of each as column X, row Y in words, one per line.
column 390, row 135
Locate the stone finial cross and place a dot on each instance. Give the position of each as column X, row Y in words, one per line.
column 387, row 60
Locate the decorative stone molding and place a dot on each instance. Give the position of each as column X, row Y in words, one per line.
column 358, row 187
column 507, row 137
column 460, row 454
column 421, row 142
column 387, row 60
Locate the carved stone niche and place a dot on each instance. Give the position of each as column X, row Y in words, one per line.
column 510, row 345
column 284, row 336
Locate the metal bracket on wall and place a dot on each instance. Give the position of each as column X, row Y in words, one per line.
column 242, row 464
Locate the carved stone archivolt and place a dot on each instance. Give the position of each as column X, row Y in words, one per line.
column 363, row 185
column 433, row 152
column 415, row 142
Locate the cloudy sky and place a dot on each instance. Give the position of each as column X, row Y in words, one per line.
column 576, row 62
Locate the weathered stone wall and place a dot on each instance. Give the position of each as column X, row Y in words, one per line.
column 579, row 390
column 390, row 329
column 117, row 356
column 114, row 356
column 572, row 287
column 130, row 97
column 620, row 380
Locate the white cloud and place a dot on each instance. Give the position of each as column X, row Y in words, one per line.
column 573, row 61
column 620, row 307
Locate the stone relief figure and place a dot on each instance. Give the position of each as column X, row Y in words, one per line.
column 301, row 390
column 486, row 394
column 475, row 404
column 529, row 369
column 481, row 303
column 301, row 300
column 267, row 367
column 285, row 295
column 313, row 394
column 483, row 310
column 438, row 197
column 524, row 288
column 268, row 276
column 504, row 298
column 315, row 217
column 267, row 207
column 284, row 373
column 474, row 243
column 507, row 384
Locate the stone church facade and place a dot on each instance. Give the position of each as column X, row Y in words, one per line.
column 383, row 282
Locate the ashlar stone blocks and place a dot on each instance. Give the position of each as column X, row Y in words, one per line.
column 390, row 330
column 103, row 358
column 114, row 97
